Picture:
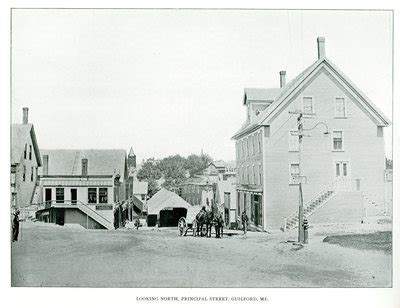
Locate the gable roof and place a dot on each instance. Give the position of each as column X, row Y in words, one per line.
column 20, row 134
column 260, row 94
column 100, row 162
column 139, row 188
column 164, row 199
column 267, row 115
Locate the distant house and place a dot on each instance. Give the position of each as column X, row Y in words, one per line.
column 226, row 200
column 342, row 155
column 219, row 167
column 25, row 161
column 85, row 187
column 165, row 208
column 199, row 190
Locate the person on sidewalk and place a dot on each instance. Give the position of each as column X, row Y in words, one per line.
column 15, row 226
column 245, row 220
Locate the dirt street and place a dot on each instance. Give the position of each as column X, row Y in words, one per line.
column 50, row 255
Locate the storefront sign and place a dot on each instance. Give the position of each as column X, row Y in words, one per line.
column 104, row 207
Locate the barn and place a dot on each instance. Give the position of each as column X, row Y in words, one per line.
column 165, row 208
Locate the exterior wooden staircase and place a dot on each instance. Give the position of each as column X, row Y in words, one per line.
column 83, row 208
column 309, row 208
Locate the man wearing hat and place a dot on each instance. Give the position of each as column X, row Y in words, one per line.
column 15, row 226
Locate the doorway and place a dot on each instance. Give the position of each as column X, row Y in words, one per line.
column 74, row 195
column 342, row 175
column 47, row 196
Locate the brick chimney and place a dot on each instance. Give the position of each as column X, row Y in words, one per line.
column 84, row 166
column 25, row 115
column 321, row 47
column 282, row 75
column 45, row 164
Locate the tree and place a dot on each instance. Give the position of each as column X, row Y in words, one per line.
column 153, row 187
column 195, row 164
column 173, row 170
column 150, row 170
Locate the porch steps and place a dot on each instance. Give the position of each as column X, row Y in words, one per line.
column 95, row 216
column 375, row 205
column 309, row 208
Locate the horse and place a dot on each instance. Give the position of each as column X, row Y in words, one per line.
column 204, row 218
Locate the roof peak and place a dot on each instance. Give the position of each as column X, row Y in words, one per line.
column 131, row 153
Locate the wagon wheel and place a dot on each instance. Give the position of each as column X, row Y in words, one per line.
column 182, row 226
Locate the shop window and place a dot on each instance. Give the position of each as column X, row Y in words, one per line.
column 103, row 195
column 92, row 195
column 59, row 195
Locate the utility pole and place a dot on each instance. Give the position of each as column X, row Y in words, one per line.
column 300, row 131
column 300, row 125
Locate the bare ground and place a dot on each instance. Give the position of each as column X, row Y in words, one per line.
column 50, row 255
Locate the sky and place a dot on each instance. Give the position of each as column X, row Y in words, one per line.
column 171, row 81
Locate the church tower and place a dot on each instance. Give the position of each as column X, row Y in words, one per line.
column 131, row 162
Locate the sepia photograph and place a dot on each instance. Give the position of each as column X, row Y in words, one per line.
column 201, row 148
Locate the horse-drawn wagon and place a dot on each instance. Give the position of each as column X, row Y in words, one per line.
column 200, row 222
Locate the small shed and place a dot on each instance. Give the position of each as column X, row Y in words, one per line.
column 166, row 207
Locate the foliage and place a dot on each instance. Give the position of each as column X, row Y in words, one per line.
column 195, row 164
column 150, row 170
column 153, row 187
column 173, row 169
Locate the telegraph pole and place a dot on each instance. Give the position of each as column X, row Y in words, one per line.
column 300, row 125
column 301, row 212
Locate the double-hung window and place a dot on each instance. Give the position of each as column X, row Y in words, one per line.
column 337, row 140
column 92, row 195
column 103, row 195
column 340, row 107
column 308, row 105
column 59, row 195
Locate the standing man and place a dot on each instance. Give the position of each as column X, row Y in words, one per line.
column 245, row 219
column 15, row 226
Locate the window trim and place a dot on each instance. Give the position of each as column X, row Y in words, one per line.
column 342, row 160
column 260, row 175
column 345, row 108
column 97, row 191
column 313, row 105
column 63, row 195
column 332, row 142
column 99, row 200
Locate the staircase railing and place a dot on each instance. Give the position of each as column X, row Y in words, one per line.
column 81, row 206
column 309, row 207
column 379, row 208
column 326, row 188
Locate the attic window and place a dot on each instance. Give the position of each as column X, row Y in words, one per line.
column 257, row 112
